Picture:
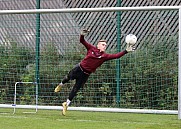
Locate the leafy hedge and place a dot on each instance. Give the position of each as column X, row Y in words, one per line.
column 148, row 77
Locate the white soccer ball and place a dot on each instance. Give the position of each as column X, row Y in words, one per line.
column 131, row 39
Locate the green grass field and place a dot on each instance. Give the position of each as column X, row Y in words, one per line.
column 52, row 119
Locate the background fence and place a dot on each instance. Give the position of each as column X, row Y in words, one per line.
column 148, row 77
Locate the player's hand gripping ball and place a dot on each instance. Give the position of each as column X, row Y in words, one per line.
column 131, row 39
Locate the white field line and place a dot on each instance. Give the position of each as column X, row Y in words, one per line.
column 19, row 117
column 125, row 122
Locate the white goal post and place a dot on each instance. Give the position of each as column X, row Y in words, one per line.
column 111, row 9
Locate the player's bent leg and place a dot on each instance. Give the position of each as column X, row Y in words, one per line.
column 65, row 106
column 58, row 88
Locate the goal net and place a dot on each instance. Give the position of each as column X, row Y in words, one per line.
column 43, row 45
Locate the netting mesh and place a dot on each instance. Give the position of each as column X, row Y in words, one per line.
column 148, row 76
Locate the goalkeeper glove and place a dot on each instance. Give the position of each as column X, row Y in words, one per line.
column 130, row 48
column 84, row 32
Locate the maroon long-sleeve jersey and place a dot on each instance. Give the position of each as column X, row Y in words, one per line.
column 94, row 57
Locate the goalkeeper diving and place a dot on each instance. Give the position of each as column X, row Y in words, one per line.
column 94, row 58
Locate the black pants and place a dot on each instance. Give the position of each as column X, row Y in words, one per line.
column 80, row 77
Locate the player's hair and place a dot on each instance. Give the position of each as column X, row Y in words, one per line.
column 102, row 40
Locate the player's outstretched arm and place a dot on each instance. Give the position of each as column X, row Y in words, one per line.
column 83, row 41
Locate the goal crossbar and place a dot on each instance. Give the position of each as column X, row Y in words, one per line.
column 103, row 9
